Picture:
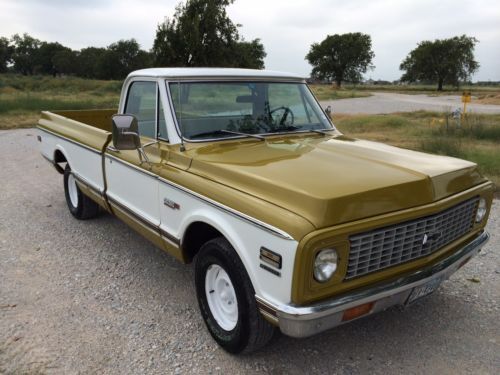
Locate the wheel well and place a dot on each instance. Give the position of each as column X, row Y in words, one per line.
column 59, row 158
column 195, row 236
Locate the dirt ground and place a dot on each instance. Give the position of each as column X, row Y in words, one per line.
column 95, row 297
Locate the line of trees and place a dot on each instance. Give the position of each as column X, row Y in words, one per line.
column 27, row 55
column 200, row 33
column 345, row 57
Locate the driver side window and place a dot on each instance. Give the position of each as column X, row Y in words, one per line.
column 141, row 102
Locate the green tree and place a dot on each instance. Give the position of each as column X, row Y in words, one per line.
column 25, row 53
column 87, row 62
column 121, row 58
column 445, row 61
column 6, row 51
column 44, row 57
column 250, row 54
column 341, row 57
column 201, row 34
column 65, row 61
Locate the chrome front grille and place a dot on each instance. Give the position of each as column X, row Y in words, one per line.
column 389, row 246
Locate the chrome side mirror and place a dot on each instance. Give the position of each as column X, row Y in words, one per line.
column 328, row 111
column 125, row 132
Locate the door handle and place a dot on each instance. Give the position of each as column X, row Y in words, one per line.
column 111, row 148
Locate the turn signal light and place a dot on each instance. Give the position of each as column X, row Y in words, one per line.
column 356, row 312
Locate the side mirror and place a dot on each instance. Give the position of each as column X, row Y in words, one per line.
column 125, row 132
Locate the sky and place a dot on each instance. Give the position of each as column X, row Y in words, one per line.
column 286, row 28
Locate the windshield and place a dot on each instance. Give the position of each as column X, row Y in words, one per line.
column 208, row 110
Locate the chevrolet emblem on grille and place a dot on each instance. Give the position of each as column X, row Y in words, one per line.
column 430, row 237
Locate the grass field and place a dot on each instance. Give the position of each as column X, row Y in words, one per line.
column 478, row 138
column 22, row 98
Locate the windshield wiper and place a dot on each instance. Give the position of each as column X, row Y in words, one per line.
column 224, row 131
column 322, row 131
column 245, row 134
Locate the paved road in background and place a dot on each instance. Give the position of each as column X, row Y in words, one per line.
column 95, row 297
column 382, row 102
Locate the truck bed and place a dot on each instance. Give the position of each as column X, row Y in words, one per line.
column 91, row 128
column 81, row 137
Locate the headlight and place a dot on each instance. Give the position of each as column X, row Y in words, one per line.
column 481, row 210
column 325, row 265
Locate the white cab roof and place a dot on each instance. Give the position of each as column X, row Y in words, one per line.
column 183, row 73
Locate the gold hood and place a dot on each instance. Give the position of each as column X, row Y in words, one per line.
column 334, row 179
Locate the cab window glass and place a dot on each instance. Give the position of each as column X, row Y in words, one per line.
column 141, row 102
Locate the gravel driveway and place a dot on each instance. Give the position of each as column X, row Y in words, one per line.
column 95, row 297
column 384, row 102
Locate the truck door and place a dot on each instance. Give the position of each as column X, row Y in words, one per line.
column 132, row 189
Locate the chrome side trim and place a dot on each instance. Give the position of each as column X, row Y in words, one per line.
column 70, row 140
column 170, row 238
column 303, row 321
column 135, row 215
column 87, row 183
column 213, row 203
column 154, row 227
column 230, row 210
column 49, row 159
column 130, row 165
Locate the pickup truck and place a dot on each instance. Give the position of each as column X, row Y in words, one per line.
column 289, row 223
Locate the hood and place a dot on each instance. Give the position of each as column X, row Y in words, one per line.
column 333, row 180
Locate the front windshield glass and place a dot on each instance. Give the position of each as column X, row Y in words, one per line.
column 208, row 110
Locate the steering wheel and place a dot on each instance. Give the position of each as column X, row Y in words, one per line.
column 285, row 116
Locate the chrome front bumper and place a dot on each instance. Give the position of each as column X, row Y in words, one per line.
column 303, row 321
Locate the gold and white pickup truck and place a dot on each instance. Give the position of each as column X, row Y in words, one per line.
column 290, row 223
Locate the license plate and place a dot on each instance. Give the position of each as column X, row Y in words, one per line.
column 423, row 290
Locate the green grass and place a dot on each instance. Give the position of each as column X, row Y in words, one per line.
column 477, row 139
column 330, row 92
column 22, row 98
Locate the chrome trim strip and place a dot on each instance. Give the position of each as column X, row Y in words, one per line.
column 70, row 140
column 156, row 228
column 87, row 183
column 130, row 165
column 134, row 214
column 170, row 238
column 225, row 208
column 49, row 159
column 303, row 321
column 230, row 210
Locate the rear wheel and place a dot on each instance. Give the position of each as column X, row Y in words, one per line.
column 227, row 299
column 80, row 206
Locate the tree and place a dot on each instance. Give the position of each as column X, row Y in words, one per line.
column 121, row 58
column 341, row 57
column 201, row 34
column 6, row 51
column 65, row 61
column 24, row 56
column 250, row 54
column 445, row 61
column 44, row 57
column 87, row 62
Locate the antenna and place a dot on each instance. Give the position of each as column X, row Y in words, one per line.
column 183, row 148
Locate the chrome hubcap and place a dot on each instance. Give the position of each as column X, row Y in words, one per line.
column 221, row 297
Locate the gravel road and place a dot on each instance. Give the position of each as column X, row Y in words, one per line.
column 383, row 102
column 95, row 297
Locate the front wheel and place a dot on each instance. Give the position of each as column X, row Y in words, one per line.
column 227, row 299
